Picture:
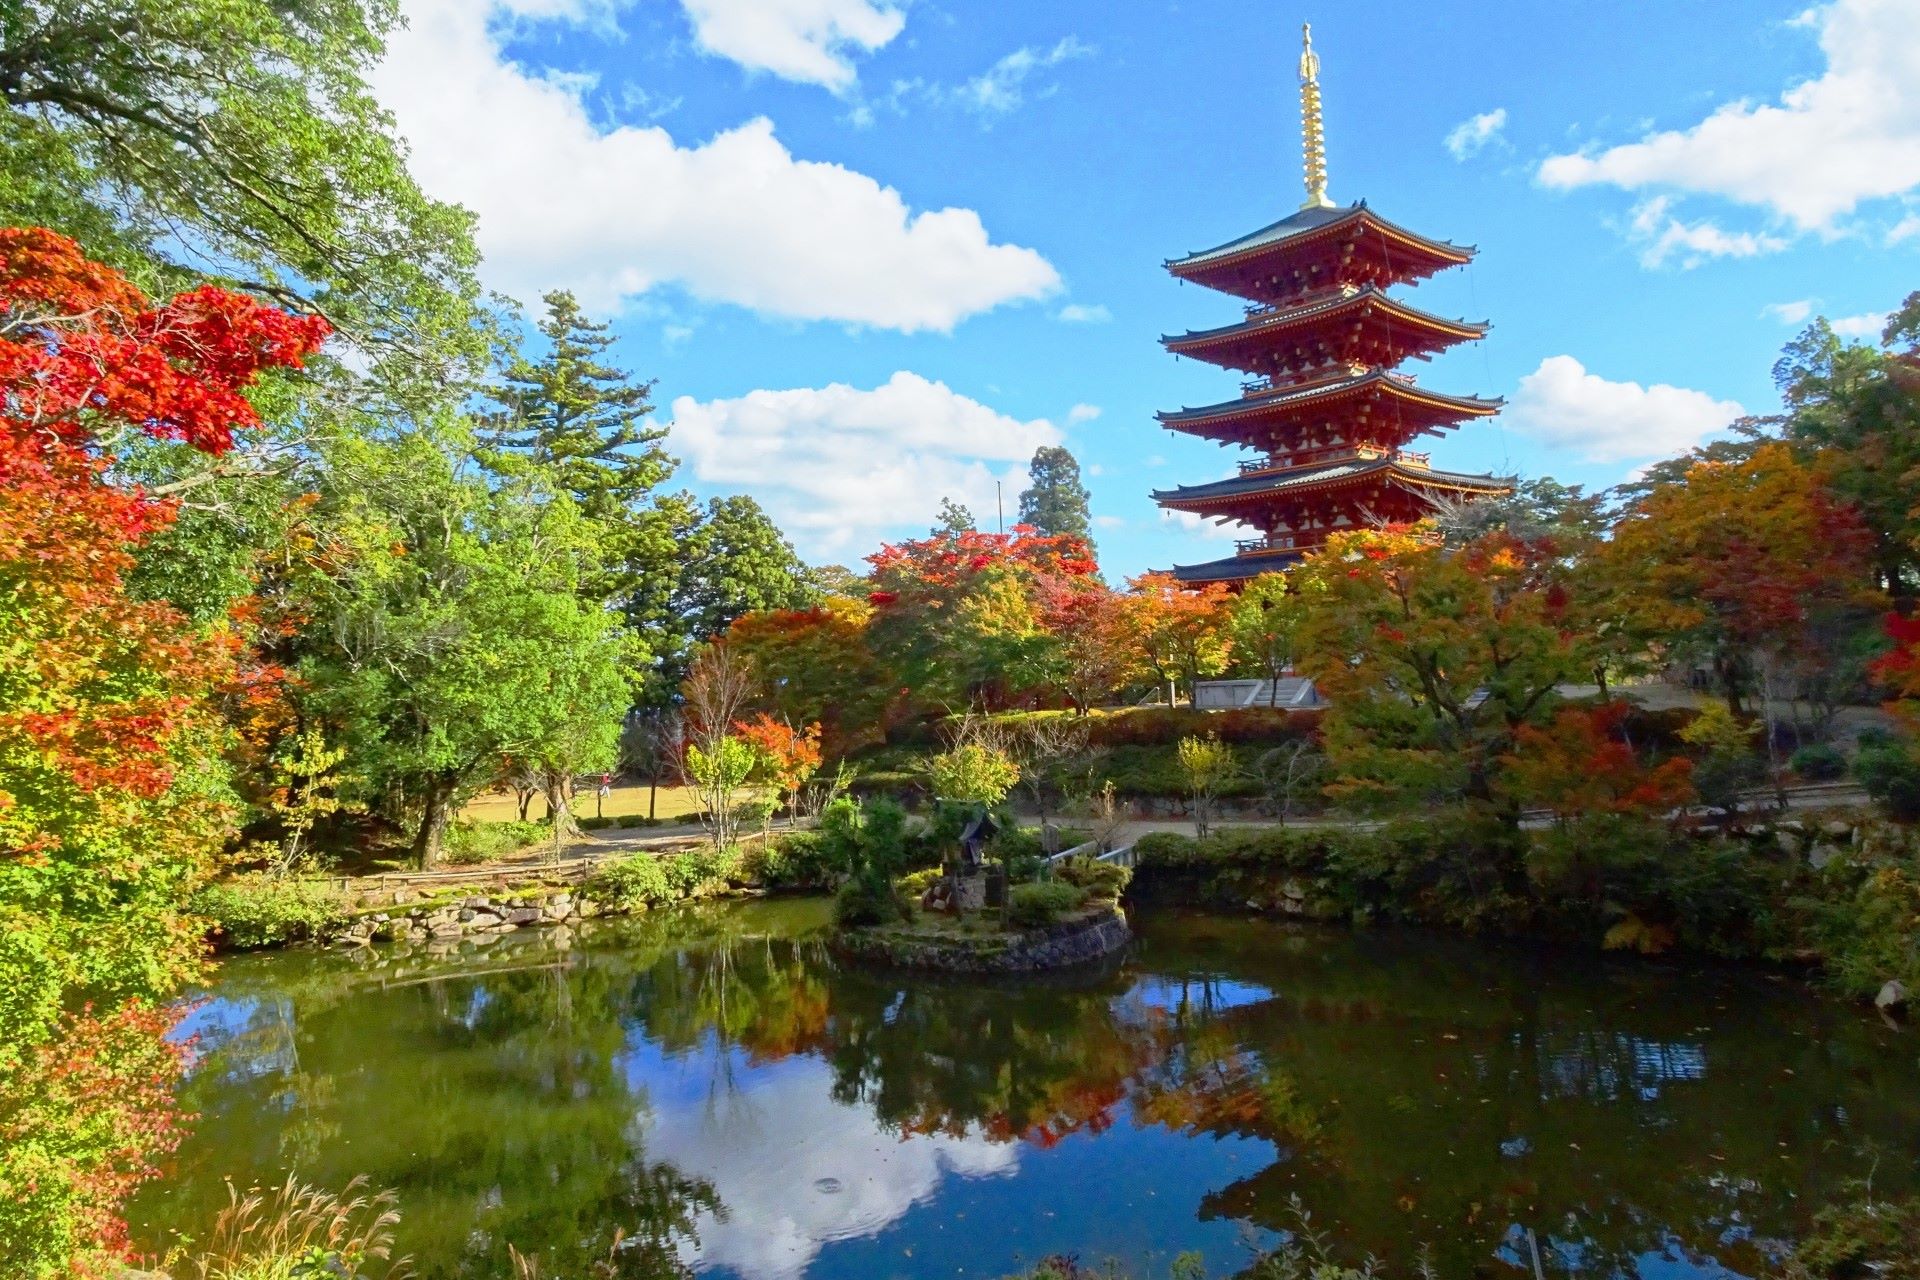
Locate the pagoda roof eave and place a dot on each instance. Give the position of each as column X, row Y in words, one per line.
column 1290, row 317
column 1236, row 568
column 1310, row 223
column 1267, row 403
column 1237, row 490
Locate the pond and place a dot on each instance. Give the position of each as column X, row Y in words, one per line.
column 709, row 1088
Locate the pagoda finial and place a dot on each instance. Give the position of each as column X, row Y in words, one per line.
column 1316, row 143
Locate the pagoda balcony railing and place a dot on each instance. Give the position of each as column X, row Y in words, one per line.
column 1302, row 543
column 1336, row 453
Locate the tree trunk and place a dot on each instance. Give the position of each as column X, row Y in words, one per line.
column 559, row 808
column 432, row 836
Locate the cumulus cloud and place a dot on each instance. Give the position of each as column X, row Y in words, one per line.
column 1002, row 87
column 1849, row 135
column 1868, row 327
column 1563, row 406
column 805, row 40
column 1905, row 229
column 839, row 467
column 1472, row 136
column 1795, row 312
column 1081, row 313
column 1664, row 237
column 1231, row 531
column 1082, row 413
column 795, row 1169
column 614, row 214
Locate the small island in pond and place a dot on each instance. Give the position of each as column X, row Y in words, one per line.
column 992, row 905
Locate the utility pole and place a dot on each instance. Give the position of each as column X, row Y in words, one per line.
column 999, row 508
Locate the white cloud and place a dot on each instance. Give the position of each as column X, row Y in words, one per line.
column 1869, row 326
column 1002, row 87
column 796, row 1170
column 805, row 40
column 1231, row 531
column 1081, row 313
column 1662, row 236
column 1789, row 312
column 612, row 215
column 1109, row 522
column 1904, row 230
column 839, row 467
column 1563, row 406
column 1082, row 413
column 1849, row 135
column 1472, row 136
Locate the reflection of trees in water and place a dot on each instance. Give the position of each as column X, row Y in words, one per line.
column 1465, row 1093
column 499, row 1111
column 1437, row 1095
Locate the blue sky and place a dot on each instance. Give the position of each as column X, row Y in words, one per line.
column 875, row 251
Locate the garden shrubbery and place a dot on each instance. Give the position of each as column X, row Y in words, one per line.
column 264, row 911
column 1625, row 881
column 1890, row 771
column 470, row 843
column 1033, row 905
column 1099, row 879
column 1818, row 762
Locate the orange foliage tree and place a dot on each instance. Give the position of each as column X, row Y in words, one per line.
column 113, row 798
column 1179, row 633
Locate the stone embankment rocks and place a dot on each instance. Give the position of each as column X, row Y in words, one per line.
column 1080, row 939
column 443, row 921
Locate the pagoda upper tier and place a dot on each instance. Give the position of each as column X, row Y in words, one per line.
column 1374, row 404
column 1318, row 248
column 1344, row 328
column 1326, row 411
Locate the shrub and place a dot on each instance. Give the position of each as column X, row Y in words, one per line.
column 868, row 900
column 1031, row 905
column 699, row 868
column 630, row 884
column 1099, row 879
column 263, row 910
column 915, row 883
column 1868, row 1237
column 973, row 773
column 1820, row 762
column 470, row 843
column 1164, row 726
column 1867, row 922
column 1889, row 771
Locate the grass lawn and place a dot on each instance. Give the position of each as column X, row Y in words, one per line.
column 672, row 803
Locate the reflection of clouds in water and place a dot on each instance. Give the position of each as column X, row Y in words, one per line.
column 796, row 1170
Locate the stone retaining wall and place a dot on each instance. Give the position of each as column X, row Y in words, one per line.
column 1080, row 940
column 477, row 913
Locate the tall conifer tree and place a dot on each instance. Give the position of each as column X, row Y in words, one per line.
column 1055, row 502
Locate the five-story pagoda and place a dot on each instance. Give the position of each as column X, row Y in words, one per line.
column 1321, row 339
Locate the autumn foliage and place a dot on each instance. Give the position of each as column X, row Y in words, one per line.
column 113, row 800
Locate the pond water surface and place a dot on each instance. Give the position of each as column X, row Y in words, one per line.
column 711, row 1089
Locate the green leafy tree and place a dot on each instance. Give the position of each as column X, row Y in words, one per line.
column 718, row 771
column 1055, row 502
column 1263, row 624
column 451, row 630
column 172, row 133
column 1435, row 659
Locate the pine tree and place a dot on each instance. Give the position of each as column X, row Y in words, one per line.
column 584, row 425
column 955, row 518
column 1055, row 502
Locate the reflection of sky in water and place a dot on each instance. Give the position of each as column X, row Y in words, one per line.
column 816, row 1187
column 1673, row 1262
column 240, row 1037
column 1217, row 994
column 1614, row 1066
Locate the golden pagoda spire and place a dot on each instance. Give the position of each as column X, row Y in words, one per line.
column 1316, row 143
